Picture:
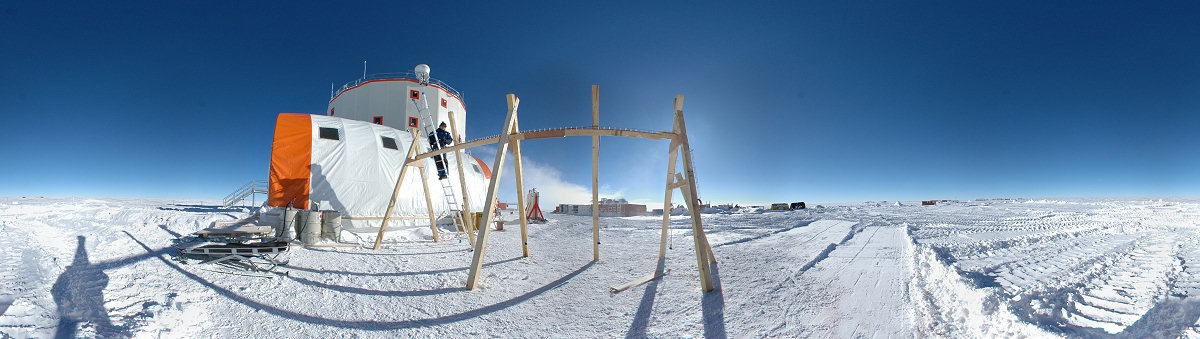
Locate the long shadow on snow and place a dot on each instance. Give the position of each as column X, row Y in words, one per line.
column 200, row 208
column 641, row 319
column 173, row 233
column 714, row 307
column 363, row 291
column 388, row 254
column 369, row 324
column 399, row 274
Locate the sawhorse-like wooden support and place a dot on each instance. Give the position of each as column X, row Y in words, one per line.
column 511, row 136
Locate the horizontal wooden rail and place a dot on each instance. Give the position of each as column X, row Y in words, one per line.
column 548, row 133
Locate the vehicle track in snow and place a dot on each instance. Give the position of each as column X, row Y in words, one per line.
column 21, row 280
column 1088, row 269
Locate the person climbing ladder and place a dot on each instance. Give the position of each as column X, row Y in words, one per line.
column 438, row 139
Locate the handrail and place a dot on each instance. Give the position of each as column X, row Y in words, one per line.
column 392, row 75
column 247, row 189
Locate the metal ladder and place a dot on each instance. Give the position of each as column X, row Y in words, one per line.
column 452, row 205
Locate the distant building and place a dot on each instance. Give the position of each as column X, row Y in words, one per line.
column 608, row 208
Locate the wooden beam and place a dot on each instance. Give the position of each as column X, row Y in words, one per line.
column 428, row 201
column 493, row 187
column 701, row 241
column 638, row 281
column 395, row 193
column 672, row 154
column 595, row 174
column 607, row 132
column 516, row 147
column 466, row 217
column 673, row 182
column 550, row 133
column 553, row 133
column 676, row 184
column 691, row 205
column 456, row 147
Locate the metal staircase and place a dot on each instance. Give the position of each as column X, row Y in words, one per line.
column 250, row 190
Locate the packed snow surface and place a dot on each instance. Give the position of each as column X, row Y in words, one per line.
column 103, row 267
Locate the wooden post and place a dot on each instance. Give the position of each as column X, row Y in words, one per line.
column 462, row 184
column 493, row 186
column 692, row 200
column 516, row 147
column 395, row 192
column 701, row 242
column 595, row 174
column 662, row 243
column 425, row 186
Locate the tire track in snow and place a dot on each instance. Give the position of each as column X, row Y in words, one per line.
column 832, row 292
column 24, row 305
column 1087, row 269
column 768, row 234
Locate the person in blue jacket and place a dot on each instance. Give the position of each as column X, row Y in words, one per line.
column 441, row 139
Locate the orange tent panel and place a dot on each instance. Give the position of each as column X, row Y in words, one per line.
column 291, row 157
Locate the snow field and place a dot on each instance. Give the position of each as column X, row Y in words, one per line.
column 98, row 267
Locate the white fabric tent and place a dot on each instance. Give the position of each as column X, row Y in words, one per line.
column 355, row 172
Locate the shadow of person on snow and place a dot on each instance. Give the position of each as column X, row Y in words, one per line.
column 79, row 294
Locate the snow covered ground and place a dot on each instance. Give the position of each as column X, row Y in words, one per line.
column 102, row 267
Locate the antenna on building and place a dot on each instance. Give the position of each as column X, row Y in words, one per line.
column 422, row 72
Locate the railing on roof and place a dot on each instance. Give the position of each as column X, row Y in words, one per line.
column 393, row 75
column 563, row 129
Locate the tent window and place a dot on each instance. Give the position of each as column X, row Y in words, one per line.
column 329, row 133
column 477, row 169
column 389, row 143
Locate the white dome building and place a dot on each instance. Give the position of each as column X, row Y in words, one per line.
column 391, row 99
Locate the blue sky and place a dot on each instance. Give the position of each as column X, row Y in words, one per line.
column 786, row 101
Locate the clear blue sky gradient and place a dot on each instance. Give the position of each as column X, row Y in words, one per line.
column 786, row 101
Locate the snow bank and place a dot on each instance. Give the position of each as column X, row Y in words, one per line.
column 945, row 305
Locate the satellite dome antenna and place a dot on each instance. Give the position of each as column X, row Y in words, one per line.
column 422, row 72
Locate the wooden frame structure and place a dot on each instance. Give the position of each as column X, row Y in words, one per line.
column 511, row 136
